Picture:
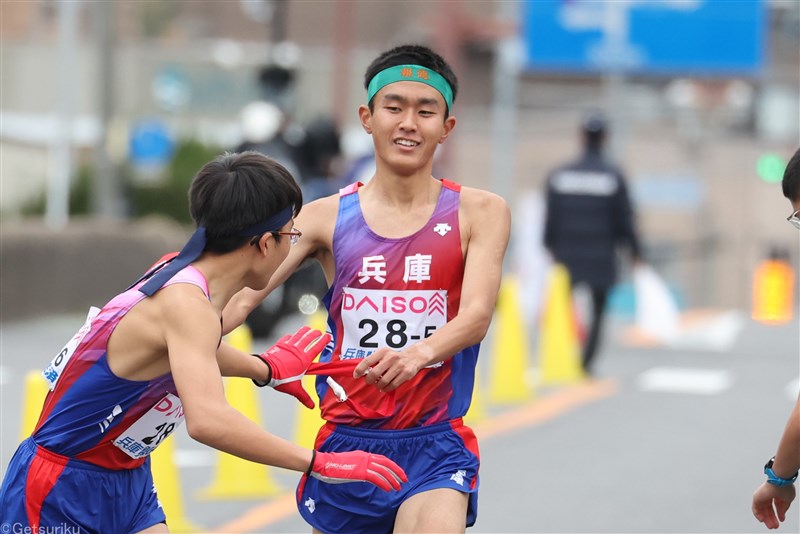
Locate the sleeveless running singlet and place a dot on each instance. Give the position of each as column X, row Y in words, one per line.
column 95, row 416
column 394, row 293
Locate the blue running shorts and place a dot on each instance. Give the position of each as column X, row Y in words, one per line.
column 45, row 491
column 443, row 455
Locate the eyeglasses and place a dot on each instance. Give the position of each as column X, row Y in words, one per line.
column 794, row 219
column 294, row 236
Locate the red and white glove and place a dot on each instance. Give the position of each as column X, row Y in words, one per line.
column 357, row 466
column 288, row 360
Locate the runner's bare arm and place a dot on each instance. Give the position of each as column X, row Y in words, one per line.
column 191, row 334
column 191, row 330
column 316, row 220
column 770, row 502
column 486, row 221
column 234, row 362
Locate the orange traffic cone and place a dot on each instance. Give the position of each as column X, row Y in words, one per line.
column 773, row 291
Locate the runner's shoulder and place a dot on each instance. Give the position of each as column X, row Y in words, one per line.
column 479, row 201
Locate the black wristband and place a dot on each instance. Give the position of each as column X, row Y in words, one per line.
column 269, row 367
column 311, row 465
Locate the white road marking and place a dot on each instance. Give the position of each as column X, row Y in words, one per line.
column 685, row 380
column 718, row 334
column 193, row 458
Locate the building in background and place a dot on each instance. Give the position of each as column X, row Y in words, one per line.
column 691, row 140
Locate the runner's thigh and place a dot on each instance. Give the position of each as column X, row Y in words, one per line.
column 440, row 511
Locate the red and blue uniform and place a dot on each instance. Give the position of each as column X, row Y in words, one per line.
column 394, row 292
column 86, row 464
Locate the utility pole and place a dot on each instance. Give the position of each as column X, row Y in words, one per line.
column 508, row 59
column 106, row 198
column 57, row 206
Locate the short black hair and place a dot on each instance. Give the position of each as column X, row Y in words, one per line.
column 791, row 178
column 412, row 54
column 236, row 191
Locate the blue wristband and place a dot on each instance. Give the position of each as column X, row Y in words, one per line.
column 774, row 479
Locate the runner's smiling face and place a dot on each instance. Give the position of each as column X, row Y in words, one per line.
column 407, row 123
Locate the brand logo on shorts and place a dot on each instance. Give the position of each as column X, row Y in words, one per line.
column 310, row 504
column 458, row 477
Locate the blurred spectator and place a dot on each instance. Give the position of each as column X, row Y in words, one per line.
column 317, row 157
column 359, row 154
column 589, row 214
column 264, row 126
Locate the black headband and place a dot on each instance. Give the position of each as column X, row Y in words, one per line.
column 197, row 243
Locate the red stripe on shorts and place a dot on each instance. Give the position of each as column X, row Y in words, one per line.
column 43, row 473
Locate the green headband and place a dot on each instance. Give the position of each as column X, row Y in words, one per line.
column 410, row 73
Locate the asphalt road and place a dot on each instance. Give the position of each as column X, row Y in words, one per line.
column 662, row 440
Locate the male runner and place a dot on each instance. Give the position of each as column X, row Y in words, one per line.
column 153, row 356
column 414, row 265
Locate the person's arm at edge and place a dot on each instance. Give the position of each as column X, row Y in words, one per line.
column 549, row 231
column 625, row 224
column 786, row 464
column 787, row 457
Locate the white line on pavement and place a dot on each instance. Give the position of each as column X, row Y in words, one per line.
column 685, row 380
column 193, row 458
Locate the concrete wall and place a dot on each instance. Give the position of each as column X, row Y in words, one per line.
column 44, row 272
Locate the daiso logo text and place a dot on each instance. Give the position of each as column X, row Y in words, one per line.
column 400, row 303
column 170, row 406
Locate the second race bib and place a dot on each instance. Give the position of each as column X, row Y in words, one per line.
column 143, row 436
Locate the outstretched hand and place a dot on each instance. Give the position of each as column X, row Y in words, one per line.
column 357, row 466
column 288, row 360
column 771, row 502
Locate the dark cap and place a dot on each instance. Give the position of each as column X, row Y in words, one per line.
column 594, row 123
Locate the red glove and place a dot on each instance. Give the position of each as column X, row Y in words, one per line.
column 288, row 360
column 356, row 466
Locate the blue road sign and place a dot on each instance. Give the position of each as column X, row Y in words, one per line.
column 656, row 37
column 151, row 144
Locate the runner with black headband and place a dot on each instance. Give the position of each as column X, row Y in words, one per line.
column 414, row 266
column 153, row 356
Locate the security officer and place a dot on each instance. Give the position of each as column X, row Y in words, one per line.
column 589, row 215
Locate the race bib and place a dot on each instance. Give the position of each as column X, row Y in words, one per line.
column 56, row 367
column 143, row 436
column 375, row 318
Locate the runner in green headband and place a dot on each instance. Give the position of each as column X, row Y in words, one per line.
column 411, row 73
